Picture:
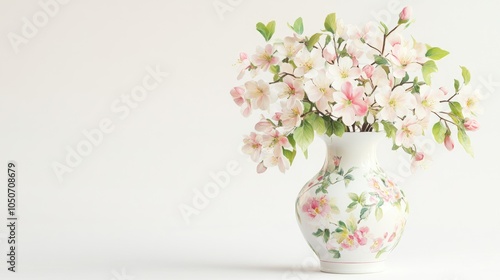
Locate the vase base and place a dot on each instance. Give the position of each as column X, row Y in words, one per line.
column 352, row 267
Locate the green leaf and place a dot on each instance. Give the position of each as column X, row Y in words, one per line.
column 262, row 29
column 335, row 253
column 436, row 53
column 270, row 29
column 318, row 233
column 331, row 22
column 275, row 69
column 456, row 109
column 352, row 206
column 298, row 26
column 291, row 140
column 386, row 29
column 390, row 129
column 319, row 125
column 338, row 128
column 365, row 212
column 326, row 235
column 362, row 199
column 349, row 177
column 465, row 75
column 290, row 155
column 427, row 69
column 464, row 139
column 267, row 31
column 328, row 39
column 380, row 60
column 439, row 132
column 353, row 196
column 379, row 213
column 380, row 203
column 328, row 125
column 405, row 79
column 376, row 126
column 304, row 135
column 342, row 224
column 307, row 107
column 312, row 41
column 456, row 85
column 380, row 253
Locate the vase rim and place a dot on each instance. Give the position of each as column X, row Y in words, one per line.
column 368, row 134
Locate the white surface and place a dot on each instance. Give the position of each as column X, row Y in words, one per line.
column 119, row 208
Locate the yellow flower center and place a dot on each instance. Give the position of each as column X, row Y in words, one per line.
column 344, row 74
column 470, row 102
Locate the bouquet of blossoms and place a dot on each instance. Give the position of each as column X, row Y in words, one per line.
column 347, row 78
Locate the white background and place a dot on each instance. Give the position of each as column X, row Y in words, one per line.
column 116, row 215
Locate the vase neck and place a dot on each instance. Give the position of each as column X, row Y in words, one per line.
column 355, row 149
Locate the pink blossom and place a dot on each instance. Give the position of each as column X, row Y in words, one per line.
column 238, row 95
column 290, row 47
column 253, row 146
column 277, row 116
column 292, row 113
column 395, row 103
column 261, row 168
column 349, row 243
column 368, row 70
column 336, row 161
column 360, row 237
column 344, row 71
column 264, row 125
column 393, row 235
column 419, row 156
column 408, row 129
column 444, row 90
column 265, row 57
column 469, row 100
column 420, row 160
column 274, row 139
column 364, row 34
column 277, row 159
column 328, row 55
column 349, row 103
column 471, row 124
column 308, row 63
column 244, row 64
column 290, row 87
column 377, row 244
column 317, row 206
column 259, row 93
column 429, row 100
column 448, row 143
column 319, row 91
column 405, row 15
column 405, row 58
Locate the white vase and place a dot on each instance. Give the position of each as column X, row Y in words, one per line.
column 351, row 214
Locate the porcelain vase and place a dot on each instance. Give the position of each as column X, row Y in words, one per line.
column 351, row 213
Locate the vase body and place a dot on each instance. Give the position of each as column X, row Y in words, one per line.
column 350, row 213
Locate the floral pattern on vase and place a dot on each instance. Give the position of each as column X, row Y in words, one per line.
column 351, row 211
